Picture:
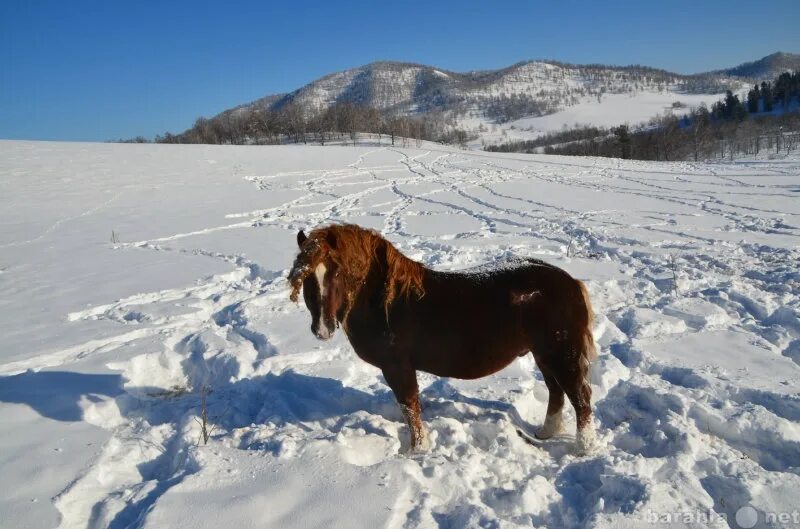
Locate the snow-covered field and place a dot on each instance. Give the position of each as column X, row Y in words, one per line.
column 611, row 110
column 105, row 345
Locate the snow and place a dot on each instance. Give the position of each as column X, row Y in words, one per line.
column 610, row 110
column 107, row 346
column 616, row 109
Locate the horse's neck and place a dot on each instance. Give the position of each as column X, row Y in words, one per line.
column 388, row 265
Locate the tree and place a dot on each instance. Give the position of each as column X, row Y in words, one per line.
column 766, row 95
column 718, row 110
column 787, row 85
column 700, row 123
column 294, row 119
column 731, row 101
column 753, row 97
column 460, row 137
column 623, row 138
column 391, row 125
column 204, row 132
column 739, row 112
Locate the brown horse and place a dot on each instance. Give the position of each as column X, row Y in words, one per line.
column 403, row 317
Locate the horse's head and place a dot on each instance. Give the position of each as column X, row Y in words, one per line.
column 320, row 277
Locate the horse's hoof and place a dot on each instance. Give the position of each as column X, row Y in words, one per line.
column 585, row 441
column 422, row 446
column 552, row 425
column 410, row 451
column 542, row 434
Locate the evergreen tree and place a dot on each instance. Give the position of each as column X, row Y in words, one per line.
column 787, row 86
column 752, row 99
column 623, row 138
column 730, row 103
column 718, row 110
column 739, row 112
column 766, row 95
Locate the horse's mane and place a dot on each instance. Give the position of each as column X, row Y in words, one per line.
column 356, row 251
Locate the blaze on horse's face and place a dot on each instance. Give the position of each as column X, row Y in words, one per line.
column 323, row 294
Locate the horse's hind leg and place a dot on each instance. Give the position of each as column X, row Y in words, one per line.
column 403, row 381
column 555, row 404
column 572, row 374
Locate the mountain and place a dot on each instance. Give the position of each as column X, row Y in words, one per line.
column 529, row 88
column 538, row 87
column 535, row 87
column 521, row 101
column 766, row 68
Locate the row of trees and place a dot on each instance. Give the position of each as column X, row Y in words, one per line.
column 508, row 108
column 763, row 98
column 697, row 137
column 760, row 98
column 342, row 122
column 551, row 138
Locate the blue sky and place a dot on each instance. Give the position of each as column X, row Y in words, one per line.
column 97, row 70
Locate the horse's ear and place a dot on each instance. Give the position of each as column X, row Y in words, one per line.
column 331, row 238
column 301, row 238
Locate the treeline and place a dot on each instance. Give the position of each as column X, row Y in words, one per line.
column 292, row 123
column 551, row 138
column 504, row 108
column 697, row 137
column 731, row 127
column 708, row 84
column 764, row 98
column 760, row 98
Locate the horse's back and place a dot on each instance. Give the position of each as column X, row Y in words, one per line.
column 470, row 324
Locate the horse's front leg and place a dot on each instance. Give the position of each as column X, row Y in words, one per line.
column 403, row 380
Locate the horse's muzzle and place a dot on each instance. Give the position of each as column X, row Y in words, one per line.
column 322, row 332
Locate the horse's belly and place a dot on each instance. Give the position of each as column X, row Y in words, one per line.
column 470, row 361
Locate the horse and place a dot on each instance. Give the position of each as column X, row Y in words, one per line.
column 403, row 317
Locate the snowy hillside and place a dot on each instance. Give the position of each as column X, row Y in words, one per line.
column 132, row 276
column 408, row 88
column 506, row 104
column 608, row 111
column 765, row 68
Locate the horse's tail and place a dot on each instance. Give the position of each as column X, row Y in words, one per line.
column 588, row 351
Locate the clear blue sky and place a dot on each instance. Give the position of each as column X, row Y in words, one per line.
column 96, row 70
